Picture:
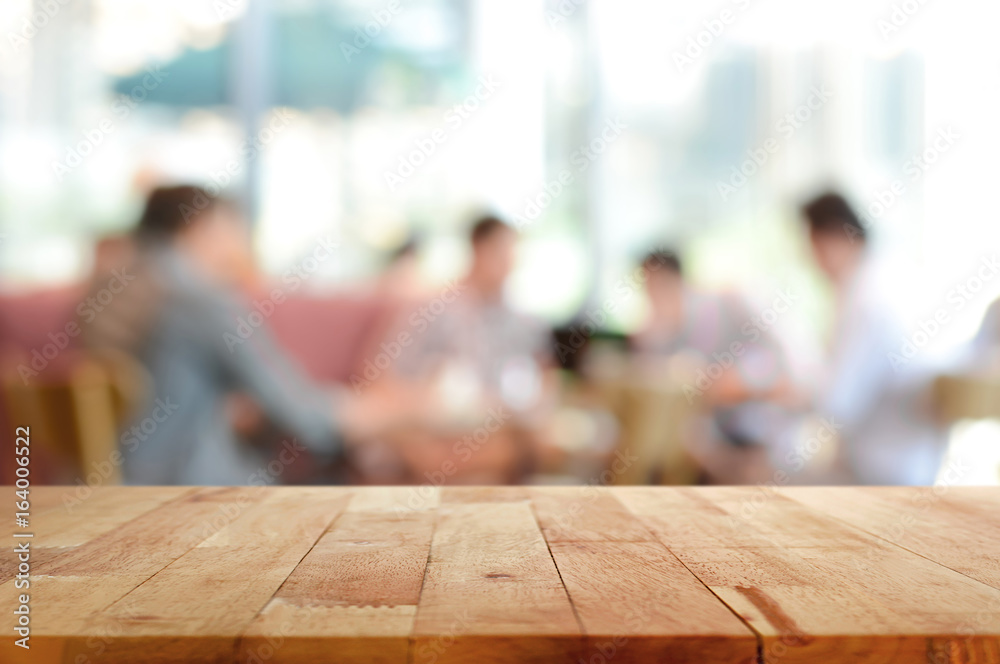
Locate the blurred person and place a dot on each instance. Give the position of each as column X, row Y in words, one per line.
column 740, row 373
column 467, row 354
column 881, row 411
column 179, row 316
column 477, row 339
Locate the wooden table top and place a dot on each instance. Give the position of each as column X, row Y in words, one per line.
column 417, row 575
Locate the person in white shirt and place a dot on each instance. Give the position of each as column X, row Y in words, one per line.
column 988, row 338
column 880, row 407
column 747, row 416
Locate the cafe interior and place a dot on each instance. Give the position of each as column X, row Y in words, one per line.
column 461, row 242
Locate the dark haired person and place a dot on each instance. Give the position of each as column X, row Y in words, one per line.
column 471, row 353
column 175, row 317
column 878, row 403
column 742, row 370
column 479, row 331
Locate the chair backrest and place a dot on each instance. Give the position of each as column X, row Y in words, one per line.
column 969, row 397
column 75, row 410
column 656, row 420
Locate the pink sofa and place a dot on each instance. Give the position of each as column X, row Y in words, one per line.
column 328, row 337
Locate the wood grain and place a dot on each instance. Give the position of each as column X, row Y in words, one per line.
column 628, row 595
column 490, row 582
column 585, row 514
column 62, row 519
column 420, row 575
column 194, row 608
column 952, row 528
column 814, row 588
column 356, row 592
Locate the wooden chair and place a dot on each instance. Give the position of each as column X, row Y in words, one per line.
column 967, row 397
column 656, row 422
column 75, row 410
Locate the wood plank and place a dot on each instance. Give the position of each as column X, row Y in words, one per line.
column 585, row 514
column 62, row 606
column 103, row 511
column 67, row 590
column 10, row 561
column 638, row 603
column 65, row 525
column 951, row 526
column 147, row 544
column 47, row 498
column 819, row 589
column 980, row 499
column 515, row 574
column 491, row 591
column 196, row 608
column 396, row 499
column 353, row 598
column 484, row 494
column 673, row 519
column 299, row 632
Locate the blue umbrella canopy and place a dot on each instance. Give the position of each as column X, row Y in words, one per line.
column 315, row 63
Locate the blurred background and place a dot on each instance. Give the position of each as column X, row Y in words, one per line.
column 360, row 141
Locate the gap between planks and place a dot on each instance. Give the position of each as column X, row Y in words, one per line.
column 187, row 494
column 757, row 635
column 238, row 642
column 411, row 641
column 870, row 533
column 569, row 597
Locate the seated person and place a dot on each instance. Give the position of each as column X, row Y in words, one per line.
column 468, row 354
column 739, row 388
column 883, row 411
column 178, row 317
